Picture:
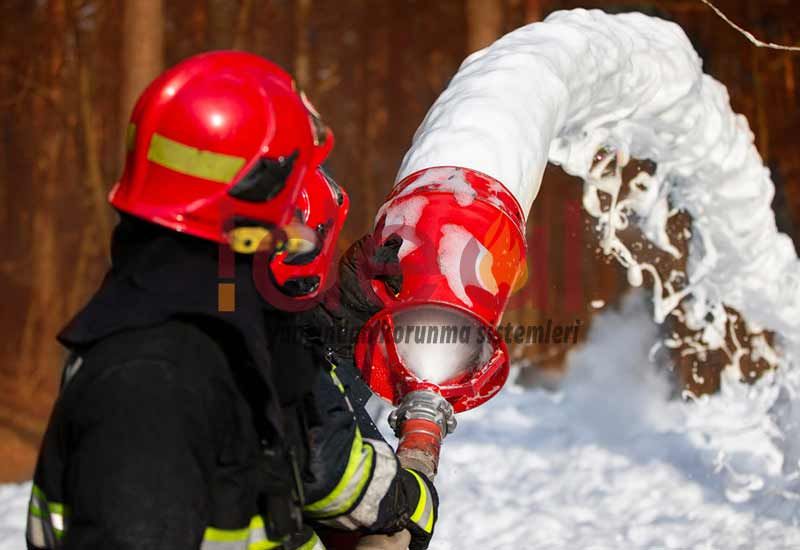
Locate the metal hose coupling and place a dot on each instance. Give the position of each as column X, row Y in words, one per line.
column 421, row 421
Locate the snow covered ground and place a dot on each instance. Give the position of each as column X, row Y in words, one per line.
column 608, row 462
column 13, row 507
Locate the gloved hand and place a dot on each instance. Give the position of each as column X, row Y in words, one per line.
column 366, row 261
column 348, row 305
column 423, row 507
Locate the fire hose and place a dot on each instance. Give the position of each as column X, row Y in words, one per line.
column 421, row 422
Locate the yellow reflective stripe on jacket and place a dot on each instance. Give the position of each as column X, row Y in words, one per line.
column 252, row 537
column 312, row 544
column 46, row 516
column 195, row 162
column 338, row 383
column 39, row 527
column 423, row 514
column 58, row 518
column 351, row 485
column 365, row 512
column 336, row 379
column 213, row 534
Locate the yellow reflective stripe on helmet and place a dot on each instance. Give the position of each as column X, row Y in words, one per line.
column 191, row 161
column 350, row 486
column 423, row 513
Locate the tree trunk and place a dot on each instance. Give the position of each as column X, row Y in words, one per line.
column 30, row 370
column 302, row 56
column 222, row 19
column 142, row 49
column 241, row 40
column 533, row 11
column 484, row 23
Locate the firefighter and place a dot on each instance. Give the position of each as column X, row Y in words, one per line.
column 189, row 415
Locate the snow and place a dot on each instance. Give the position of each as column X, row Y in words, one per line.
column 13, row 510
column 612, row 461
column 609, row 461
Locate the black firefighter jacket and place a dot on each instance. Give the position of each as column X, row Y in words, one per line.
column 180, row 428
column 153, row 444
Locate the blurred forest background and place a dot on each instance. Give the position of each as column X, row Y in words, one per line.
column 70, row 71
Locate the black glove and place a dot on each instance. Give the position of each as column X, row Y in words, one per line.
column 334, row 324
column 423, row 507
column 366, row 261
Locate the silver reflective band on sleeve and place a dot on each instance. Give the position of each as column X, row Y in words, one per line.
column 71, row 369
column 366, row 512
column 423, row 514
column 46, row 520
column 339, row 385
column 57, row 519
column 351, row 485
column 35, row 532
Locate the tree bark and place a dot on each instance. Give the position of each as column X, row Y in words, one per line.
column 241, row 40
column 222, row 18
column 533, row 11
column 484, row 23
column 302, row 56
column 142, row 49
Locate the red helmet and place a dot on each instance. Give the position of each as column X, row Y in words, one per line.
column 224, row 147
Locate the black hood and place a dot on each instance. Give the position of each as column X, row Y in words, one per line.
column 157, row 274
